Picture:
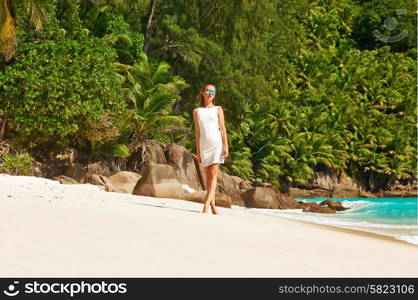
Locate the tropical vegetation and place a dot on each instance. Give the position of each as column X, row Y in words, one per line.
column 306, row 86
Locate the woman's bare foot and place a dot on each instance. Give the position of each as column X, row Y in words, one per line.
column 213, row 207
column 205, row 208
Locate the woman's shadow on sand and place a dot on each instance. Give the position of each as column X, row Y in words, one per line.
column 169, row 207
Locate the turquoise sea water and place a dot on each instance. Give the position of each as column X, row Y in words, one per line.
column 396, row 217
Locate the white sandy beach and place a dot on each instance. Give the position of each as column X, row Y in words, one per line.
column 49, row 229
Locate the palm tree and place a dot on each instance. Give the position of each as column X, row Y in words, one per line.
column 240, row 154
column 8, row 30
column 153, row 93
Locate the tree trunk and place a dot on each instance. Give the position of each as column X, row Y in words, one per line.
column 149, row 26
column 3, row 121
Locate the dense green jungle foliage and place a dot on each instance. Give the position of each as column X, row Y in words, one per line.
column 306, row 86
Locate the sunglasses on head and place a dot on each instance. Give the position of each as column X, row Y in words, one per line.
column 213, row 92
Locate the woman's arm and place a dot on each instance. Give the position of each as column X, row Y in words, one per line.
column 197, row 131
column 222, row 127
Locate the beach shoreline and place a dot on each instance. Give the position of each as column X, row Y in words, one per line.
column 364, row 233
column 354, row 231
column 349, row 230
column 54, row 230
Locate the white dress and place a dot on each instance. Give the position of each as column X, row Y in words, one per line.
column 211, row 146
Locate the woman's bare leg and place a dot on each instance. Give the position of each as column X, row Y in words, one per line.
column 211, row 181
column 206, row 206
column 214, row 171
column 213, row 203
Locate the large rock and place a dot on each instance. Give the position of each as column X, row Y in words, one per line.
column 97, row 172
column 75, row 171
column 65, row 180
column 102, row 165
column 307, row 205
column 186, row 165
column 325, row 180
column 159, row 180
column 401, row 187
column 124, row 181
column 328, row 184
column 99, row 180
column 286, row 202
column 344, row 191
column 320, row 209
column 400, row 194
column 149, row 151
column 299, row 193
column 260, row 197
column 364, row 194
column 221, row 199
column 307, row 194
column 244, row 184
column 410, row 194
column 233, row 186
column 236, row 198
column 335, row 205
column 348, row 181
column 263, row 184
column 99, row 168
column 313, row 207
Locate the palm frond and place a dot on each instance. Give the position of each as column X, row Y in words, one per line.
column 112, row 39
column 160, row 102
column 8, row 42
column 37, row 13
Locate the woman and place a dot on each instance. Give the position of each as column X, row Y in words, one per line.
column 211, row 141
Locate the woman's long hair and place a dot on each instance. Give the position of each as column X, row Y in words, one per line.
column 200, row 96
